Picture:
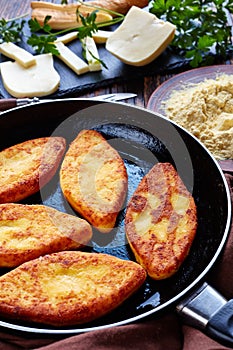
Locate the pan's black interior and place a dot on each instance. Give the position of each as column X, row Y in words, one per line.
column 142, row 138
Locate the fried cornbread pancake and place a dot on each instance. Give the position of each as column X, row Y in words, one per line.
column 161, row 221
column 28, row 166
column 29, row 231
column 94, row 180
column 68, row 288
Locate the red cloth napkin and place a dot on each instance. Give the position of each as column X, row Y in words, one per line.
column 164, row 332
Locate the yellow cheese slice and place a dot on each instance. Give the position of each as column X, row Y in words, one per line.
column 71, row 59
column 40, row 79
column 66, row 38
column 140, row 38
column 91, row 54
column 100, row 37
column 23, row 57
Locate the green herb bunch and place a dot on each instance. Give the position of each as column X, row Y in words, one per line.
column 202, row 27
column 11, row 30
column 43, row 43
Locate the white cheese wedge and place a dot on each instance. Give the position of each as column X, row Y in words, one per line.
column 40, row 79
column 71, row 59
column 140, row 38
column 91, row 54
column 23, row 57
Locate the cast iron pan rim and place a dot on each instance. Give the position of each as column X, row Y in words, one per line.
column 172, row 300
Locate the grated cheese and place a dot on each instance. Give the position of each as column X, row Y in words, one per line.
column 206, row 110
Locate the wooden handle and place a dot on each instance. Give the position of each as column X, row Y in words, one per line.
column 226, row 165
column 7, row 103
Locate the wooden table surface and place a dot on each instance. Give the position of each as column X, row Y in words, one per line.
column 143, row 87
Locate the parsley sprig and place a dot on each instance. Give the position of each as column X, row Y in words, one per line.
column 42, row 43
column 201, row 27
column 11, row 30
column 89, row 25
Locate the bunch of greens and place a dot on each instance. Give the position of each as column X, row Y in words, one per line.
column 11, row 30
column 202, row 27
column 43, row 43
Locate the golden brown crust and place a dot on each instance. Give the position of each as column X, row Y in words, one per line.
column 65, row 16
column 119, row 5
column 26, row 167
column 161, row 221
column 29, row 231
column 93, row 179
column 68, row 288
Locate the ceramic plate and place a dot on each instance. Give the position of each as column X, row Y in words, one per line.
column 194, row 76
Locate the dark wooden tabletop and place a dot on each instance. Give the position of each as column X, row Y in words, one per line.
column 143, row 87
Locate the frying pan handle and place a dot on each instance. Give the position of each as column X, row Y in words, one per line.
column 7, row 103
column 220, row 326
column 209, row 311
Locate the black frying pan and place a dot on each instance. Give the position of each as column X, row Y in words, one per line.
column 142, row 138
